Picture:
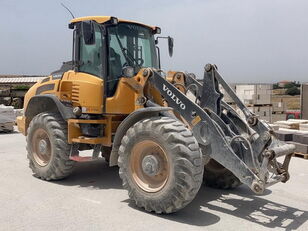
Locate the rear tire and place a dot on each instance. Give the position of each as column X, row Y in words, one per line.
column 48, row 150
column 160, row 164
column 17, row 103
column 217, row 176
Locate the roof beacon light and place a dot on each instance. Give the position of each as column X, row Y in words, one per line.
column 114, row 20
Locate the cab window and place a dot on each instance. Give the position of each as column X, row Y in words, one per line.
column 91, row 55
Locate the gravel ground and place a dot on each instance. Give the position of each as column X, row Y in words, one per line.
column 92, row 199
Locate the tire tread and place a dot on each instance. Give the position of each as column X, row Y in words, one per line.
column 60, row 166
column 188, row 169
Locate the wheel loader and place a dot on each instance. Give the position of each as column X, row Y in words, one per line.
column 166, row 131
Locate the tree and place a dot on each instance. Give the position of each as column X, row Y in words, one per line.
column 293, row 91
column 276, row 86
column 290, row 85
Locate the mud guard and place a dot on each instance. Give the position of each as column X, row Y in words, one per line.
column 50, row 103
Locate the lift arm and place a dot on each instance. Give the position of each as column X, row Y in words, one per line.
column 248, row 150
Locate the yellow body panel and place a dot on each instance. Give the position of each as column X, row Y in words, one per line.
column 75, row 136
column 103, row 19
column 82, row 90
column 38, row 89
column 128, row 96
column 21, row 124
column 30, row 93
column 98, row 19
column 123, row 100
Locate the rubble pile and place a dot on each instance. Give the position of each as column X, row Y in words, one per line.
column 294, row 131
column 7, row 118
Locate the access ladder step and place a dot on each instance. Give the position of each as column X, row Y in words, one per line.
column 74, row 154
column 81, row 158
column 88, row 140
column 84, row 158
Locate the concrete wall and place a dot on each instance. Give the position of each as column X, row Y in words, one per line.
column 278, row 117
column 304, row 101
column 286, row 102
column 263, row 112
column 255, row 93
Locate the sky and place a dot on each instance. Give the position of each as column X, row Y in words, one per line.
column 249, row 40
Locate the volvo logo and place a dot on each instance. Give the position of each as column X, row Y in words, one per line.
column 173, row 97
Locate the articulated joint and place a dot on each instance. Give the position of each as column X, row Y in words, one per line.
column 252, row 120
column 257, row 187
column 208, row 67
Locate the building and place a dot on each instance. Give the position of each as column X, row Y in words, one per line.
column 254, row 94
column 283, row 83
column 9, row 81
column 304, row 101
column 14, row 87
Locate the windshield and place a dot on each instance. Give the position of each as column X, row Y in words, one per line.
column 132, row 45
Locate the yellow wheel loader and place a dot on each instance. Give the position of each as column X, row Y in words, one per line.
column 167, row 132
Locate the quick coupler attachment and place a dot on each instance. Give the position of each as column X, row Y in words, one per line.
column 270, row 165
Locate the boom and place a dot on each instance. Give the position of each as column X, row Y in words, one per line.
column 247, row 148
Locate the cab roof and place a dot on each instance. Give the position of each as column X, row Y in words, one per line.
column 103, row 19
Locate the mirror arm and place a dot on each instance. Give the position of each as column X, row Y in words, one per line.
column 163, row 37
column 170, row 43
column 158, row 57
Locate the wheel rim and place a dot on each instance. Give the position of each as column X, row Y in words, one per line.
column 149, row 166
column 41, row 147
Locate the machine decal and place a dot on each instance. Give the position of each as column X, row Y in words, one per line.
column 46, row 87
column 173, row 97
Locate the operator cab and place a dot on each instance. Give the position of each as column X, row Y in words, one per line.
column 107, row 47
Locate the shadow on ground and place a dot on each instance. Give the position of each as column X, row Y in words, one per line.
column 8, row 133
column 240, row 203
column 243, row 204
column 96, row 174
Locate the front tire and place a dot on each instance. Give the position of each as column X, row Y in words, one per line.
column 160, row 164
column 48, row 150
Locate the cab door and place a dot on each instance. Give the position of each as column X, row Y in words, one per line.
column 85, row 85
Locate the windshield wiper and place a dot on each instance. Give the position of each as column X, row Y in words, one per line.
column 129, row 58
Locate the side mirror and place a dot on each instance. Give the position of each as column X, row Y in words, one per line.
column 128, row 72
column 88, row 32
column 170, row 46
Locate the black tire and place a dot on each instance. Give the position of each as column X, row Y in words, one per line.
column 184, row 161
column 217, row 176
column 53, row 130
column 17, row 103
column 106, row 153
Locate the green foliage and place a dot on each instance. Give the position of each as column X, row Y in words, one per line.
column 292, row 84
column 21, row 87
column 275, row 86
column 293, row 90
column 297, row 84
